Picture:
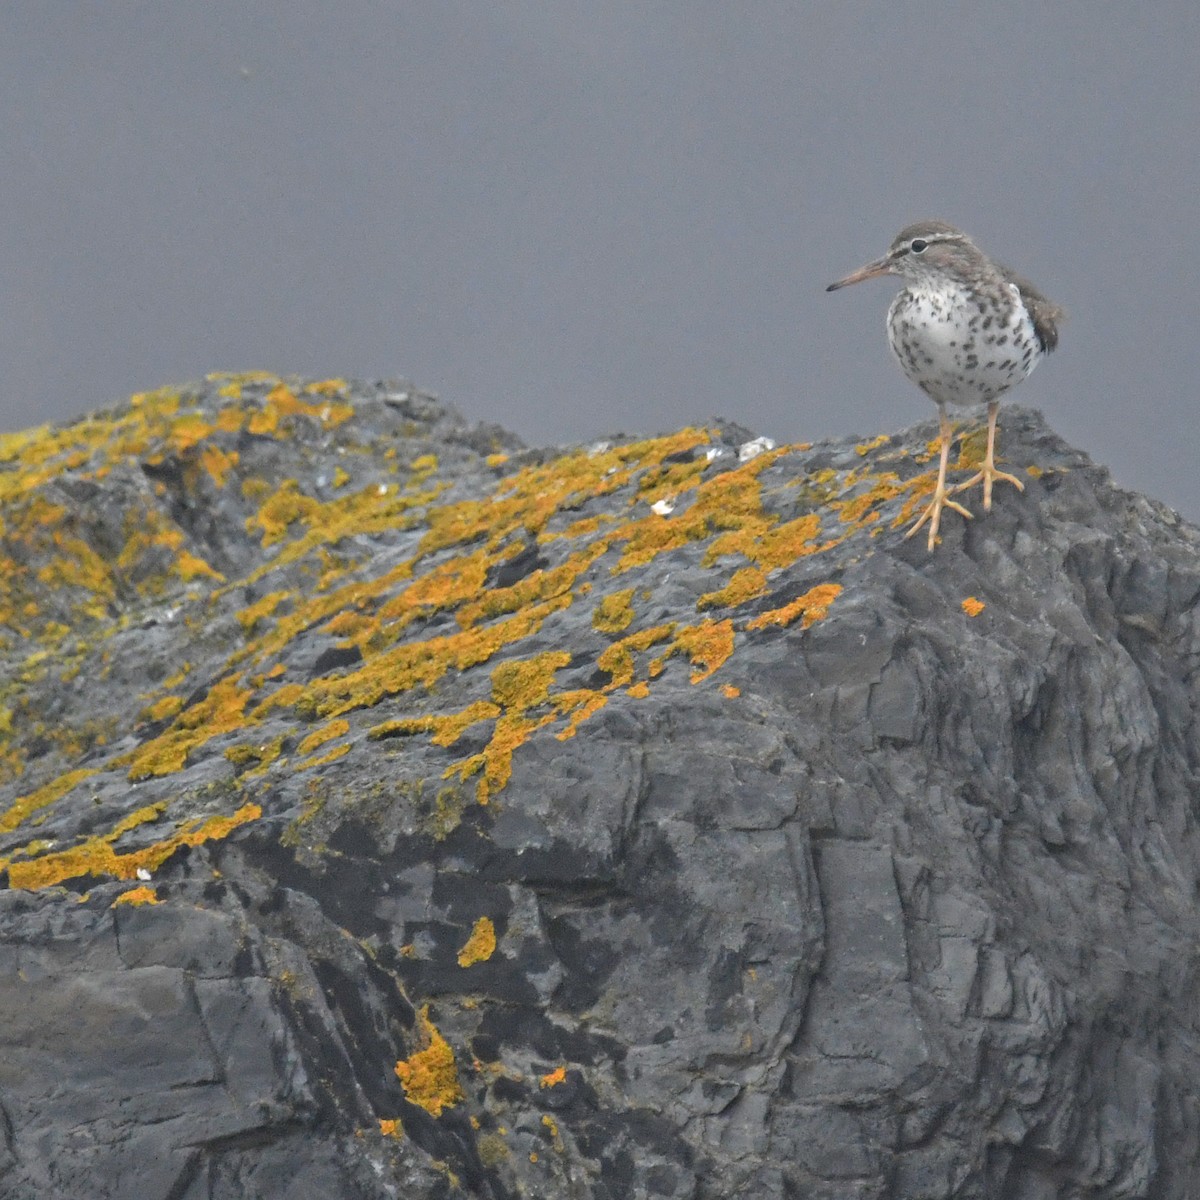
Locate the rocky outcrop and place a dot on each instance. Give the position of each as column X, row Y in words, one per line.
column 391, row 810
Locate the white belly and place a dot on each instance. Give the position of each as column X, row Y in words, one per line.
column 956, row 352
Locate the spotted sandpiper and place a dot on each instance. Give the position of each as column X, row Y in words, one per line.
column 964, row 329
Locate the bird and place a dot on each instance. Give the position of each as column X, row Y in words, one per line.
column 964, row 329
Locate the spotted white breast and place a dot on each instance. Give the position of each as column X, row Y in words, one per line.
column 959, row 347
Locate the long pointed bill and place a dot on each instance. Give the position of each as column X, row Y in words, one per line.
column 881, row 266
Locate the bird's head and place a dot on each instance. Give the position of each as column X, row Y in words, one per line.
column 921, row 252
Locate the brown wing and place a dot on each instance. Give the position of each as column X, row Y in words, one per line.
column 1045, row 313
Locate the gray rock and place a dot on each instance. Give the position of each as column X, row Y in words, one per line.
column 501, row 836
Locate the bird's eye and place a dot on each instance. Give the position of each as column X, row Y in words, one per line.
column 918, row 244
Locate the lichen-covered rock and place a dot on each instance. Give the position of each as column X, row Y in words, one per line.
column 390, row 810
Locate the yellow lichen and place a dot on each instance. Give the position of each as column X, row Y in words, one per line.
column 392, row 616
column 262, row 608
column 708, row 645
column 137, row 895
column 811, row 607
column 187, row 431
column 864, row 448
column 746, row 584
column 446, row 729
column 253, row 759
column 327, row 733
column 422, row 664
column 480, row 946
column 321, row 760
column 97, row 857
column 191, row 566
column 522, row 683
column 220, row 711
column 25, row 806
column 162, row 709
column 327, row 387
column 218, row 462
column 581, row 704
column 614, row 612
column 429, row 1076
column 618, row 659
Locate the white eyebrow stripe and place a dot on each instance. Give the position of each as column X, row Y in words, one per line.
column 930, row 239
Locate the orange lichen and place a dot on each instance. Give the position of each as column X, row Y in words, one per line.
column 522, row 683
column 282, row 697
column 162, row 709
column 429, row 1076
column 250, row 616
column 480, row 946
column 516, row 687
column 220, row 711
column 422, row 664
column 391, row 1127
column 137, row 895
column 219, row 462
column 191, row 566
column 328, row 522
column 282, row 403
column 443, row 586
column 394, row 615
column 25, row 806
column 284, row 506
column 97, row 857
column 254, row 759
column 618, row 659
column 581, row 704
column 864, row 507
column 553, row 1078
column 767, row 544
column 865, row 448
column 811, row 607
column 552, row 585
column 187, row 431
column 730, row 692
column 746, row 584
column 327, row 387
column 321, row 760
column 973, row 607
column 446, row 728
column 327, row 733
column 708, row 645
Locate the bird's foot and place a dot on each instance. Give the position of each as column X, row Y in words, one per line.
column 933, row 513
column 987, row 475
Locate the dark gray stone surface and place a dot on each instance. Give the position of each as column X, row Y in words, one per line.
column 901, row 905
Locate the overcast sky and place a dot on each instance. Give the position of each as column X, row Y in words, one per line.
column 582, row 218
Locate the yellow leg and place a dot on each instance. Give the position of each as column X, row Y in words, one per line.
column 988, row 473
column 941, row 497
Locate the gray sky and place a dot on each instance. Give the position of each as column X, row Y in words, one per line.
column 583, row 218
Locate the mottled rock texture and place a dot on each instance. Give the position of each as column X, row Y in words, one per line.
column 389, row 810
